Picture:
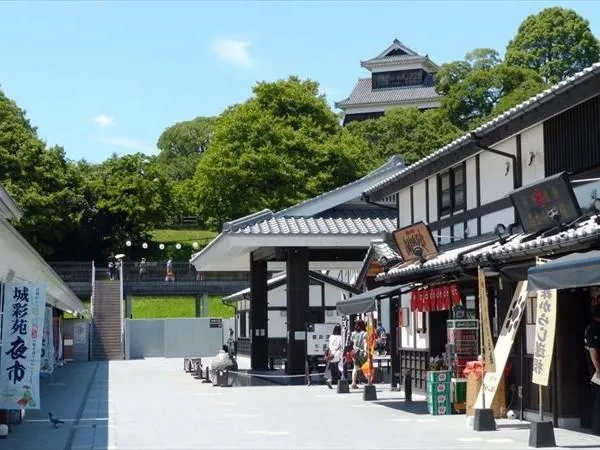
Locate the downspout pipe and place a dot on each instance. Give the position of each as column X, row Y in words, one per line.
column 516, row 162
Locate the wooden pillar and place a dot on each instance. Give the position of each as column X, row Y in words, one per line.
column 394, row 327
column 259, row 355
column 298, row 309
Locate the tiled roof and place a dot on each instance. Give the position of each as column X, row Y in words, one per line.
column 385, row 253
column 583, row 233
column 353, row 222
column 363, row 94
column 441, row 261
column 395, row 58
column 516, row 246
column 512, row 113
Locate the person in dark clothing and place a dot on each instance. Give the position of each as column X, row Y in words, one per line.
column 112, row 266
column 592, row 344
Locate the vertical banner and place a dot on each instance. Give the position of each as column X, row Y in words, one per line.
column 22, row 335
column 47, row 364
column 504, row 343
column 487, row 342
column 545, row 328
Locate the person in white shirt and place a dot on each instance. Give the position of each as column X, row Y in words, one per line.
column 334, row 355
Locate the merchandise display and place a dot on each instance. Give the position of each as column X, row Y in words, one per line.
column 439, row 392
column 462, row 344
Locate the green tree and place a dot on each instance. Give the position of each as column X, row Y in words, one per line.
column 408, row 132
column 42, row 181
column 130, row 196
column 556, row 43
column 281, row 146
column 482, row 86
column 182, row 144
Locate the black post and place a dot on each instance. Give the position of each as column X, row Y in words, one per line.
column 393, row 344
column 259, row 358
column 407, row 386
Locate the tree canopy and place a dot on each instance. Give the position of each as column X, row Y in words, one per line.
column 281, row 146
column 556, row 43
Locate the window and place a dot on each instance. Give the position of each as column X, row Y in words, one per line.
column 397, row 78
column 451, row 190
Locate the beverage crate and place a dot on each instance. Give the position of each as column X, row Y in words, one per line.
column 438, row 376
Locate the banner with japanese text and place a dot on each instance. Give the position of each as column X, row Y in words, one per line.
column 487, row 342
column 545, row 328
column 22, row 335
column 48, row 358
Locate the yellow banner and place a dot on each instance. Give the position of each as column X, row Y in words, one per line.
column 487, row 343
column 545, row 328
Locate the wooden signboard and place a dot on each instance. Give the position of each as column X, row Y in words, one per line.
column 412, row 237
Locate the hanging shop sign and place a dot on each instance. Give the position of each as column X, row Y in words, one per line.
column 546, row 204
column 439, row 298
column 48, row 354
column 22, row 335
column 415, row 242
column 545, row 327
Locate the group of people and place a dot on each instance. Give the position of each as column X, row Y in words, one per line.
column 340, row 356
column 114, row 264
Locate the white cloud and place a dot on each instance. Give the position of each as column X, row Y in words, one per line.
column 234, row 51
column 102, row 121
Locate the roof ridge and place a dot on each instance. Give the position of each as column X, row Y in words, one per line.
column 245, row 221
column 490, row 124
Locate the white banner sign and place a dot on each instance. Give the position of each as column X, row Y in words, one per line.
column 47, row 366
column 545, row 327
column 22, row 334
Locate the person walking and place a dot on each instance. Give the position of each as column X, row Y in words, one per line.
column 359, row 350
column 170, row 275
column 112, row 266
column 142, row 268
column 334, row 355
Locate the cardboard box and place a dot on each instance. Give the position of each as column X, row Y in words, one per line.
column 499, row 403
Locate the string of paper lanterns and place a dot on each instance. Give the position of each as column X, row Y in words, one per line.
column 161, row 246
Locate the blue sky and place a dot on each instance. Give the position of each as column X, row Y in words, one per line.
column 104, row 77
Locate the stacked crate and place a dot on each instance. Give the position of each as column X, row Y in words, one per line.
column 439, row 393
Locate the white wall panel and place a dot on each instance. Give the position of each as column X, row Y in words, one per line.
column 496, row 182
column 404, row 205
column 419, row 202
column 433, row 199
column 489, row 221
column 471, row 182
column 277, row 324
column 532, row 143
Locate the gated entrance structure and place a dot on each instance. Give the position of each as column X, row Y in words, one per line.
column 330, row 232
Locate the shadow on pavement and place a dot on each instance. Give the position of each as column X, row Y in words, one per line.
column 76, row 394
column 418, row 407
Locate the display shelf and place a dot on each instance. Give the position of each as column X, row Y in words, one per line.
column 462, row 344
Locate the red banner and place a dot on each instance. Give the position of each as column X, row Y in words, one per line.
column 440, row 298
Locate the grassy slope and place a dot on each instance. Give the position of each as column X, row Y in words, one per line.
column 172, row 307
column 182, row 236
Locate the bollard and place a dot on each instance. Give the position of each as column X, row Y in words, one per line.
column 207, row 377
column 407, row 386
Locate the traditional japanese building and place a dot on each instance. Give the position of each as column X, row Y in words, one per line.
column 400, row 77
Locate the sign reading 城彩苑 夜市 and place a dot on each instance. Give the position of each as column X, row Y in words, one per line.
column 22, row 335
column 413, row 236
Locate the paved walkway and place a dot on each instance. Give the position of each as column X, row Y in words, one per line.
column 153, row 404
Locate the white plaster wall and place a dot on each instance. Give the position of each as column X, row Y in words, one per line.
column 472, row 226
column 332, row 316
column 532, row 141
column 471, row 182
column 277, row 324
column 489, row 221
column 333, row 295
column 404, row 205
column 433, row 199
column 385, row 313
column 444, row 235
column 315, row 295
column 459, row 232
column 419, row 202
column 422, row 339
column 495, row 182
column 408, row 334
column 278, row 296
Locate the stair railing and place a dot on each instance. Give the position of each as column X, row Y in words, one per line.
column 93, row 289
column 121, row 307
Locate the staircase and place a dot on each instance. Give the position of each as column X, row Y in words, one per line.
column 106, row 323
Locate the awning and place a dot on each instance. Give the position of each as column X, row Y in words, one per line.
column 571, row 271
column 367, row 301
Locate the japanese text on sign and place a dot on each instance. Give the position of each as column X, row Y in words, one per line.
column 545, row 327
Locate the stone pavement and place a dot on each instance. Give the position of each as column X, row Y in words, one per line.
column 153, row 404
